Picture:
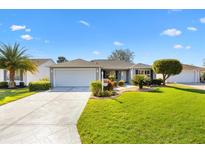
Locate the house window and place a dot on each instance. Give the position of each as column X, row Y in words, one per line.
column 147, row 72
column 17, row 75
column 136, row 72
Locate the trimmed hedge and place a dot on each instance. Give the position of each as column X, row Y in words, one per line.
column 39, row 85
column 121, row 83
column 4, row 84
column 157, row 82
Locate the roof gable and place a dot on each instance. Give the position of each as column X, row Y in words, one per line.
column 141, row 65
column 113, row 64
column 76, row 63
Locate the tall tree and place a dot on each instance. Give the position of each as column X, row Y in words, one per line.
column 167, row 67
column 13, row 58
column 61, row 59
column 122, row 54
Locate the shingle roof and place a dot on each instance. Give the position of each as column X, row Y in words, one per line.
column 76, row 63
column 192, row 67
column 113, row 64
column 141, row 65
column 39, row 62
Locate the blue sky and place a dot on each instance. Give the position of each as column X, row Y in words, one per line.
column 94, row 34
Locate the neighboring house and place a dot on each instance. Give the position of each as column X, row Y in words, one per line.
column 189, row 74
column 26, row 77
column 80, row 72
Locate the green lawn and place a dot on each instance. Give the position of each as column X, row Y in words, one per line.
column 9, row 95
column 168, row 115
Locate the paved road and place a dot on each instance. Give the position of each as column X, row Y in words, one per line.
column 46, row 117
column 196, row 85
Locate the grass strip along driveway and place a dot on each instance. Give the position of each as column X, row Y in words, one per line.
column 168, row 115
column 9, row 95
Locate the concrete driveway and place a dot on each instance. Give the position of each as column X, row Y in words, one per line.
column 46, row 117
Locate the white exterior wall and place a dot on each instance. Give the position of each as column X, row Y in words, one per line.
column 186, row 76
column 43, row 72
column 1, row 75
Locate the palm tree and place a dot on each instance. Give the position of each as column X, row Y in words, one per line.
column 13, row 58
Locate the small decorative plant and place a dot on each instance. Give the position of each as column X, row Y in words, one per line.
column 139, row 80
column 121, row 83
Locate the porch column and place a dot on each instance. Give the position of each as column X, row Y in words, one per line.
column 5, row 74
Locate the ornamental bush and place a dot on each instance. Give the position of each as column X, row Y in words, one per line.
column 139, row 80
column 110, row 85
column 96, row 87
column 39, row 86
column 157, row 82
column 3, row 84
column 121, row 83
column 105, row 93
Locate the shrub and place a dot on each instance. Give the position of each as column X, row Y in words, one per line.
column 121, row 83
column 157, row 82
column 39, row 85
column 110, row 85
column 3, row 84
column 111, row 77
column 105, row 93
column 139, row 80
column 44, row 79
column 147, row 82
column 115, row 83
column 96, row 87
column 21, row 84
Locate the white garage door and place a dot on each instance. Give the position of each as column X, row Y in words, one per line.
column 186, row 76
column 74, row 77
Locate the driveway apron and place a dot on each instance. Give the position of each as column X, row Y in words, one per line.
column 46, row 117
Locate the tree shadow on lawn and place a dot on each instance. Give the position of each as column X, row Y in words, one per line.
column 189, row 89
column 156, row 90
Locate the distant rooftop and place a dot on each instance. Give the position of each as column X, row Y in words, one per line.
column 41, row 61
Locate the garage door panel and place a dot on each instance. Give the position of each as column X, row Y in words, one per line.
column 72, row 77
column 184, row 76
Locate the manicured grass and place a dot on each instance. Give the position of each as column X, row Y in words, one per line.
column 9, row 95
column 168, row 115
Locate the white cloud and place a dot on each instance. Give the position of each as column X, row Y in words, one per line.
column 192, row 28
column 85, row 23
column 28, row 30
column 188, row 47
column 171, row 32
column 96, row 52
column 46, row 41
column 117, row 43
column 17, row 27
column 202, row 20
column 178, row 46
column 26, row 37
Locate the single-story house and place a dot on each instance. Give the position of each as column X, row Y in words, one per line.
column 80, row 72
column 189, row 74
column 26, row 77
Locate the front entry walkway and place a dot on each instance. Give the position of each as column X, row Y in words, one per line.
column 46, row 117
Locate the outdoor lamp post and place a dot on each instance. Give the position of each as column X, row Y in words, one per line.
column 102, row 80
